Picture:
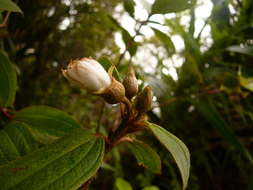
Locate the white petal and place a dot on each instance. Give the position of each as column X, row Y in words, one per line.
column 88, row 73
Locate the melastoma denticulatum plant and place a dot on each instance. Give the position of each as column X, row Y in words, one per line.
column 89, row 74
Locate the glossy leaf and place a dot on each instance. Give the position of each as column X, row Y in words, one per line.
column 145, row 156
column 8, row 5
column 16, row 141
column 248, row 50
column 169, row 6
column 177, row 148
column 66, row 164
column 122, row 184
column 46, row 123
column 209, row 111
column 8, row 81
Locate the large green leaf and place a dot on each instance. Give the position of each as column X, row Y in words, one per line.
column 8, row 5
column 66, row 164
column 122, row 184
column 177, row 148
column 169, row 6
column 209, row 111
column 8, row 81
column 145, row 156
column 46, row 123
column 16, row 141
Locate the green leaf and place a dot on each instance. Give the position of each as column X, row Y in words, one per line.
column 151, row 188
column 131, row 45
column 8, row 5
column 8, row 81
column 169, row 6
column 7, row 147
column 248, row 50
column 106, row 63
column 66, row 164
column 246, row 82
column 46, row 123
column 209, row 111
column 122, row 184
column 129, row 7
column 166, row 41
column 177, row 148
column 145, row 156
column 16, row 141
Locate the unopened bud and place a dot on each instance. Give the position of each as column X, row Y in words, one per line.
column 130, row 83
column 115, row 93
column 88, row 74
column 143, row 100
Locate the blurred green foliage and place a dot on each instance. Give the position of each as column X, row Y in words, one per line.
column 208, row 106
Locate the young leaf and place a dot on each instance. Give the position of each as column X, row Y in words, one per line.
column 46, row 123
column 8, row 81
column 66, row 164
column 145, row 156
column 8, row 5
column 122, row 184
column 169, row 6
column 177, row 148
column 16, row 141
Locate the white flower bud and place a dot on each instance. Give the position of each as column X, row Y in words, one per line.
column 87, row 73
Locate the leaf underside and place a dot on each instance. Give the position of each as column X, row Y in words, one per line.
column 177, row 148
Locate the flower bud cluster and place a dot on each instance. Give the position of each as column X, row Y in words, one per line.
column 88, row 74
